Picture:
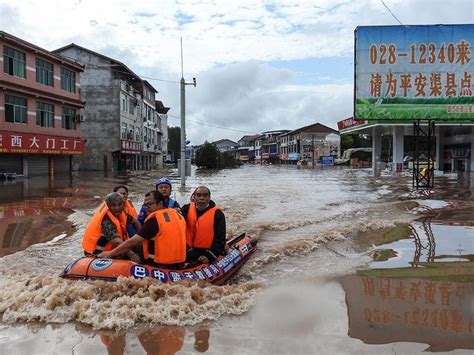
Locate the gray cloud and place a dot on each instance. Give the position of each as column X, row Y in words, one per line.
column 254, row 97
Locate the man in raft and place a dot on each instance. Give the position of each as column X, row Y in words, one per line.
column 163, row 186
column 163, row 235
column 206, row 229
column 107, row 227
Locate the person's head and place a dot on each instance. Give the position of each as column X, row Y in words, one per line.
column 202, row 196
column 154, row 201
column 122, row 190
column 114, row 202
column 163, row 185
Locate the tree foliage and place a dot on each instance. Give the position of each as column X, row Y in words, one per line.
column 355, row 141
column 208, row 156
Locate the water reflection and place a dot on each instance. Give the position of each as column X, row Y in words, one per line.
column 421, row 292
column 33, row 221
column 385, row 309
column 427, row 244
column 164, row 340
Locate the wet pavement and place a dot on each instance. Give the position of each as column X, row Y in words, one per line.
column 346, row 263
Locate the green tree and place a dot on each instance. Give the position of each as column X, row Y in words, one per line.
column 207, row 156
column 347, row 141
column 355, row 141
column 174, row 141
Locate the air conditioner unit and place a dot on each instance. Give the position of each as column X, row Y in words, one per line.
column 80, row 118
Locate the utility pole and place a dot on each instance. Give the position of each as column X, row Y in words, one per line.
column 183, row 121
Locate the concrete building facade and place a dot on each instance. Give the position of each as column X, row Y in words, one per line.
column 309, row 143
column 246, row 148
column 120, row 121
column 40, row 109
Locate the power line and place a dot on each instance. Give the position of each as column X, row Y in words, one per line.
column 111, row 66
column 391, row 13
column 214, row 125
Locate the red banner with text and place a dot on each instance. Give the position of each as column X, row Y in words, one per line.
column 30, row 143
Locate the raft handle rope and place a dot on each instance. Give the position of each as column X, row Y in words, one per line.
column 236, row 240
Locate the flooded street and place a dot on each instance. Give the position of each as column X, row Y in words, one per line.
column 346, row 263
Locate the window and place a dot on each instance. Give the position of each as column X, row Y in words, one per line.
column 131, row 129
column 44, row 72
column 131, row 106
column 124, row 130
column 44, row 114
column 68, row 80
column 145, row 134
column 15, row 109
column 124, row 102
column 68, row 118
column 14, row 62
column 137, row 134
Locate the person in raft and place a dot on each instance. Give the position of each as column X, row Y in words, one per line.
column 107, row 227
column 163, row 235
column 163, row 185
column 206, row 229
column 134, row 226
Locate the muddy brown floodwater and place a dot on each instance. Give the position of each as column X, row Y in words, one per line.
column 347, row 262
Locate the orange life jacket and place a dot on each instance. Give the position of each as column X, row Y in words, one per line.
column 94, row 229
column 170, row 242
column 200, row 231
column 130, row 209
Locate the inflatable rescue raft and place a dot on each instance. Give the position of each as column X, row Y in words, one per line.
column 217, row 272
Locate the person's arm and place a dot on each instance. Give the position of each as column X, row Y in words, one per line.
column 137, row 225
column 142, row 216
column 133, row 221
column 123, row 247
column 218, row 244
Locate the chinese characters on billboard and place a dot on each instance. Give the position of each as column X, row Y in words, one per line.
column 414, row 72
column 15, row 142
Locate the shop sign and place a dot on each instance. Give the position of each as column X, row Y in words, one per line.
column 30, row 143
column 130, row 147
column 349, row 123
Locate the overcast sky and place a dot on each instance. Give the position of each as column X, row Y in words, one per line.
column 259, row 65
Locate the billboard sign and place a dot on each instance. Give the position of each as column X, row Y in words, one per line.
column 414, row 72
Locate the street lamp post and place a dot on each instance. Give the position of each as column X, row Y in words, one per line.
column 183, row 121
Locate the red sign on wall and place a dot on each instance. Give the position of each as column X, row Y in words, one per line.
column 15, row 142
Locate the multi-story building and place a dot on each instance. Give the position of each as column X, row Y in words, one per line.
column 226, row 145
column 120, row 125
column 309, row 143
column 269, row 143
column 247, row 148
column 40, row 109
